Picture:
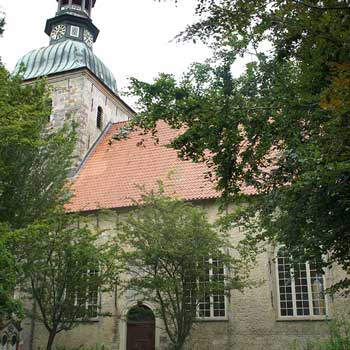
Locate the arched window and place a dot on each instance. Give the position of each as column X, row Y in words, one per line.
column 140, row 314
column 87, row 5
column 99, row 118
column 14, row 342
column 76, row 2
column 4, row 342
column 65, row 2
column 300, row 287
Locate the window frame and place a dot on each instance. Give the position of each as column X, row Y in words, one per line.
column 4, row 344
column 295, row 315
column 77, row 5
column 88, row 304
column 212, row 318
column 99, row 118
column 74, row 31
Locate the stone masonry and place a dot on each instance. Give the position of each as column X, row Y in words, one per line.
column 252, row 322
column 77, row 96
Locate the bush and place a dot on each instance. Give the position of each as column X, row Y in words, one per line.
column 338, row 338
column 84, row 347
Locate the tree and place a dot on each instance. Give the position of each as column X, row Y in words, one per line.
column 68, row 267
column 169, row 249
column 282, row 128
column 8, row 306
column 28, row 146
column 2, row 22
column 34, row 164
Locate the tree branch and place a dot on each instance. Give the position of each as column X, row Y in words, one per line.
column 164, row 317
column 311, row 6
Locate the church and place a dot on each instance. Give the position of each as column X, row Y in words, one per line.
column 281, row 311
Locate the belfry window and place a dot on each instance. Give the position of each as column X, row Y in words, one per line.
column 99, row 118
column 87, row 5
column 76, row 4
column 300, row 288
column 64, row 4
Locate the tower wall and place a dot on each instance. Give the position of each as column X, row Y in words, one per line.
column 77, row 96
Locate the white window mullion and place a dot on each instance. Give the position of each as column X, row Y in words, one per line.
column 211, row 274
column 214, row 305
column 293, row 292
column 226, row 272
column 306, row 286
column 278, row 287
column 309, row 289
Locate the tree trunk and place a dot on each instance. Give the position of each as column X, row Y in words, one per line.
column 178, row 346
column 32, row 326
column 51, row 339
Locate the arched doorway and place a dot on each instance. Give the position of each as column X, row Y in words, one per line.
column 140, row 329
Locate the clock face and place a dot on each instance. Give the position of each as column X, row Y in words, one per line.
column 88, row 38
column 58, row 32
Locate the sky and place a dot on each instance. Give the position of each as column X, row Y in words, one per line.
column 135, row 35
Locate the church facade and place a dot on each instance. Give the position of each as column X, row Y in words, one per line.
column 282, row 310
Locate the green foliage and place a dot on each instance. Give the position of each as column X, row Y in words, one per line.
column 34, row 164
column 67, row 267
column 8, row 305
column 338, row 338
column 28, row 146
column 85, row 347
column 281, row 129
column 167, row 243
column 2, row 23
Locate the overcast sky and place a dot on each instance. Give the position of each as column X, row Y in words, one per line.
column 134, row 35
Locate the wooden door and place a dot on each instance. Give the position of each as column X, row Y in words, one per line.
column 141, row 336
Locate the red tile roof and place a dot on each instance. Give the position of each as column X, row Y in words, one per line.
column 112, row 173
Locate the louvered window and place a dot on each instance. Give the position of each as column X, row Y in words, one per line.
column 99, row 118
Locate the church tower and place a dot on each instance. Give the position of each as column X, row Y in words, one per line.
column 83, row 88
column 72, row 21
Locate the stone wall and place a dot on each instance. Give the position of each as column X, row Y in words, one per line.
column 252, row 322
column 78, row 96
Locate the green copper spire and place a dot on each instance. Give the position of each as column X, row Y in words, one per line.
column 72, row 35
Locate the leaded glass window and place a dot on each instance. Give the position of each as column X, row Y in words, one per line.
column 87, row 300
column 209, row 305
column 300, row 288
column 92, row 304
column 13, row 342
column 4, row 341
